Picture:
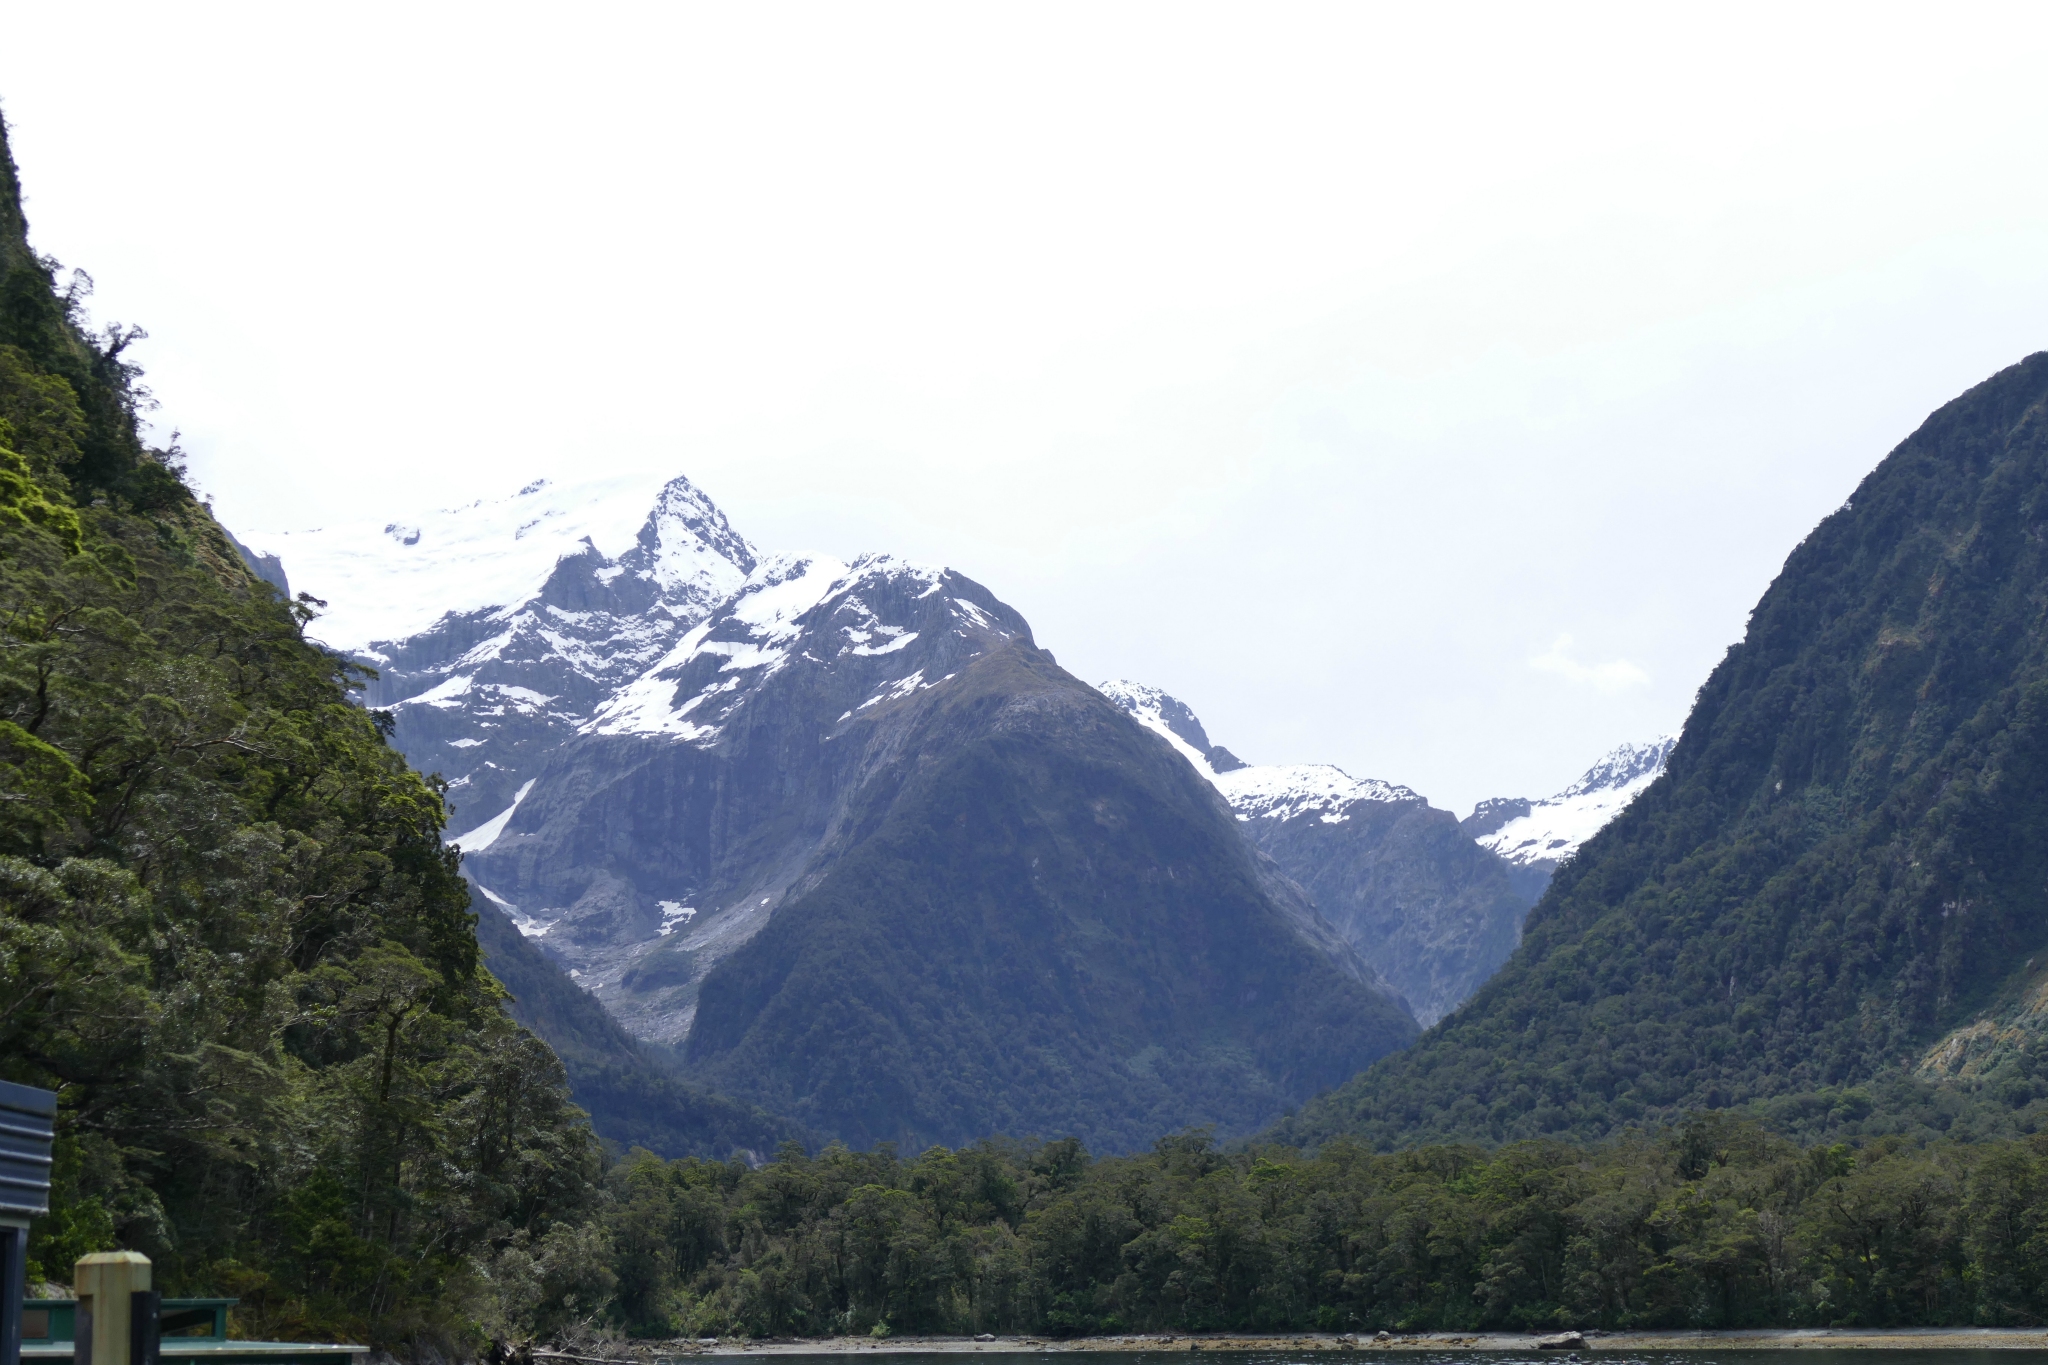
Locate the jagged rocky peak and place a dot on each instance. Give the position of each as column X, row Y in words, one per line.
column 688, row 549
column 1542, row 834
column 499, row 626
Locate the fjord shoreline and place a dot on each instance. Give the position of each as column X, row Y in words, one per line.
column 1767, row 1339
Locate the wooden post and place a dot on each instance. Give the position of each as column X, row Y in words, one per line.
column 107, row 1283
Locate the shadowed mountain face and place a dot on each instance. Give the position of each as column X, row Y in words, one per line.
column 1041, row 922
column 676, row 821
column 1843, row 860
column 1431, row 910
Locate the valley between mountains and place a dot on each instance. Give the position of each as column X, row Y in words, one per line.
column 939, row 971
column 845, row 853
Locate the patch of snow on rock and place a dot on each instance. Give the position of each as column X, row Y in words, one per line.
column 774, row 597
column 486, row 834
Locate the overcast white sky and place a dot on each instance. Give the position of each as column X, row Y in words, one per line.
column 1429, row 390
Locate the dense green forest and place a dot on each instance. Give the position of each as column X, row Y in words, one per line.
column 1711, row 1224
column 230, row 936
column 1842, row 862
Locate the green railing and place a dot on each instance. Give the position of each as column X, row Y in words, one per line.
column 46, row 1322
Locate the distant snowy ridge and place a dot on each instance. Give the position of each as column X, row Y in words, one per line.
column 1271, row 791
column 1289, row 791
column 1524, row 833
column 1554, row 828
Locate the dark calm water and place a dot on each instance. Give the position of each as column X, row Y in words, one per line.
column 1804, row 1355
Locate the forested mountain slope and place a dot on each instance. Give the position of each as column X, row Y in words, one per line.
column 230, row 935
column 1036, row 920
column 1844, row 858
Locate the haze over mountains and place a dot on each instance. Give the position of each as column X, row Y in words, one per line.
column 659, row 740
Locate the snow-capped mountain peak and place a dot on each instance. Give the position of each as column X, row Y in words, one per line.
column 391, row 578
column 692, row 553
column 1545, row 833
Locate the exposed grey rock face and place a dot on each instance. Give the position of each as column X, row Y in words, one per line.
column 1432, row 911
column 1427, row 907
column 269, row 568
